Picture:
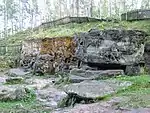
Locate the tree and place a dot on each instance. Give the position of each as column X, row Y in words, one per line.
column 105, row 8
column 77, row 7
column 145, row 4
column 91, row 8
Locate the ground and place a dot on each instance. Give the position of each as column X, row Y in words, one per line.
column 133, row 99
column 45, row 94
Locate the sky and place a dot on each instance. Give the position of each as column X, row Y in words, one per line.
column 42, row 5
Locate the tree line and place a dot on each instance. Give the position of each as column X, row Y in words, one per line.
column 17, row 15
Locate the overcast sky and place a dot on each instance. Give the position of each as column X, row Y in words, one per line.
column 42, row 4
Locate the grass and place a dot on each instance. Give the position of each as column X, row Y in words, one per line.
column 72, row 28
column 135, row 96
column 12, row 106
column 26, row 105
column 138, row 94
column 139, row 83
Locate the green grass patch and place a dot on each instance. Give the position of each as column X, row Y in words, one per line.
column 138, row 83
column 138, row 94
column 26, row 103
column 72, row 28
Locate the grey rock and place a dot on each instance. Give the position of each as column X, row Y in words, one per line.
column 101, row 48
column 77, row 79
column 96, row 74
column 44, row 64
column 94, row 89
column 147, row 57
column 12, row 93
column 50, row 97
column 17, row 72
column 133, row 70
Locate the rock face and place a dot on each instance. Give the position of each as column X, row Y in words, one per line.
column 44, row 64
column 147, row 56
column 48, row 54
column 110, row 48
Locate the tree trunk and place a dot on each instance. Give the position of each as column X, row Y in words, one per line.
column 77, row 7
column 91, row 8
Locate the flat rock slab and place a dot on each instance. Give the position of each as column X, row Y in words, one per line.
column 93, row 89
column 99, row 108
column 77, row 79
column 102, row 107
column 94, row 74
column 17, row 72
column 50, row 97
column 10, row 93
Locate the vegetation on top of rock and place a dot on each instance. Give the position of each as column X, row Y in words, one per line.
column 72, row 28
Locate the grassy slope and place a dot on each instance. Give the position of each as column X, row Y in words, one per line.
column 72, row 28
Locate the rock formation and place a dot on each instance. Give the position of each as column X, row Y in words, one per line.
column 111, row 48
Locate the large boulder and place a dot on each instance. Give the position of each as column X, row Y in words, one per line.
column 101, row 48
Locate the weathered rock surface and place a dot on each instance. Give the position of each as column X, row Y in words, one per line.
column 46, row 93
column 38, row 83
column 109, row 106
column 44, row 64
column 93, row 89
column 95, row 74
column 50, row 97
column 101, row 108
column 17, row 72
column 11, row 93
column 77, row 79
column 147, row 56
column 112, row 49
